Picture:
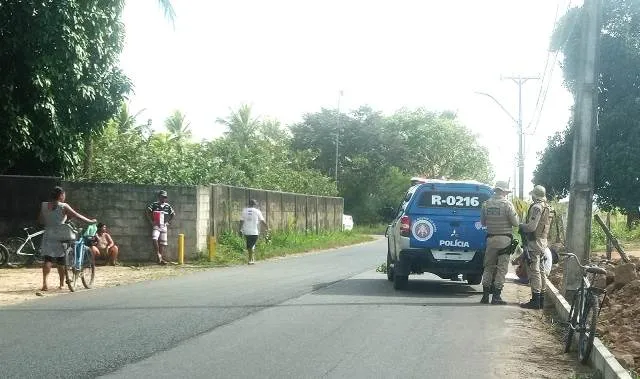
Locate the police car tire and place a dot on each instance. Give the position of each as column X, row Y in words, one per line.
column 389, row 268
column 400, row 282
column 474, row 279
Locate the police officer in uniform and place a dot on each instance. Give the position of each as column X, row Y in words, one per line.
column 536, row 230
column 499, row 216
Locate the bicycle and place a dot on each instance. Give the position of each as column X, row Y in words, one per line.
column 23, row 251
column 585, row 309
column 79, row 263
column 4, row 255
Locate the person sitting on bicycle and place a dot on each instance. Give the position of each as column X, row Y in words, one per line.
column 105, row 246
column 54, row 213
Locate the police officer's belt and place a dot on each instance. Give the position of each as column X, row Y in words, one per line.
column 500, row 235
column 510, row 248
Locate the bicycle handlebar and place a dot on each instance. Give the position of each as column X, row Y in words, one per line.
column 586, row 267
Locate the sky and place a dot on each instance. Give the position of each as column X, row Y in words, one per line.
column 291, row 57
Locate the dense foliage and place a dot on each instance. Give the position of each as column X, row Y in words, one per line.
column 617, row 175
column 60, row 80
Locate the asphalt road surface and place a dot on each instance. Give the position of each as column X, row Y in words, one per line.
column 311, row 316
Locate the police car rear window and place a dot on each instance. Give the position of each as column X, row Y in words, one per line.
column 463, row 200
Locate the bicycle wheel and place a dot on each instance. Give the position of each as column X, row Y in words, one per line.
column 572, row 321
column 588, row 325
column 88, row 273
column 71, row 273
column 4, row 255
column 25, row 257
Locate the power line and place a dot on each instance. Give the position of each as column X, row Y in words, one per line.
column 546, row 64
column 551, row 70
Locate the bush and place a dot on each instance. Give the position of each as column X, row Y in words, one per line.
column 619, row 230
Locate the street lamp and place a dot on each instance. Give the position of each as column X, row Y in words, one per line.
column 518, row 123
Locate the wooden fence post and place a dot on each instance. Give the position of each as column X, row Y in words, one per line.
column 609, row 245
column 613, row 239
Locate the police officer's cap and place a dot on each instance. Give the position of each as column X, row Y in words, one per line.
column 538, row 192
column 502, row 186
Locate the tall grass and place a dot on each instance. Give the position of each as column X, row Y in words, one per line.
column 627, row 238
column 231, row 247
column 376, row 229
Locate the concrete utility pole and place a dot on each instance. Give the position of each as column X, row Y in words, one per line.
column 520, row 80
column 582, row 167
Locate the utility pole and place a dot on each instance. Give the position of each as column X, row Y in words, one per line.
column 518, row 122
column 520, row 80
column 337, row 135
column 582, row 167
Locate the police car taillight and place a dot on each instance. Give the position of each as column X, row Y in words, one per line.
column 405, row 226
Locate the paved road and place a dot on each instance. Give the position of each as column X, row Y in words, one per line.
column 318, row 315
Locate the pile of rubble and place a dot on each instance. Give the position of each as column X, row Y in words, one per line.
column 619, row 321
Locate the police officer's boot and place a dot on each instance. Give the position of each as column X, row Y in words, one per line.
column 496, row 299
column 485, row 295
column 534, row 303
column 541, row 300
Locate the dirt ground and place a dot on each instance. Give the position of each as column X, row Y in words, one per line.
column 536, row 346
column 22, row 284
column 619, row 321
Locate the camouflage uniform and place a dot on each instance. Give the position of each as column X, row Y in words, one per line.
column 537, row 229
column 499, row 216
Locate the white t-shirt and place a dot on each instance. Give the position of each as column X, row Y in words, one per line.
column 251, row 218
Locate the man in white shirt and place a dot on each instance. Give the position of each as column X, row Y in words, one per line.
column 251, row 220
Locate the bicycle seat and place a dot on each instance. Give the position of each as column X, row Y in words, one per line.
column 596, row 270
column 28, row 228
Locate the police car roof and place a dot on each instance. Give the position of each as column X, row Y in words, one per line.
column 474, row 182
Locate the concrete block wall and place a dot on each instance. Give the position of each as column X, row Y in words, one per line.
column 201, row 211
column 281, row 209
column 122, row 207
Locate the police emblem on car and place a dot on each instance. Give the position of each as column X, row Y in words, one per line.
column 423, row 229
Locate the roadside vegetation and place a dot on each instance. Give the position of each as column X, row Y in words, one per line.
column 231, row 248
column 629, row 238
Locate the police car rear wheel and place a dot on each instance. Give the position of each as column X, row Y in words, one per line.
column 474, row 279
column 389, row 268
column 400, row 282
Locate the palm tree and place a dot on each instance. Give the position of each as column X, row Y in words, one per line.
column 178, row 127
column 126, row 122
column 169, row 12
column 241, row 126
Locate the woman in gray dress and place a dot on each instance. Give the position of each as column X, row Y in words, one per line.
column 53, row 214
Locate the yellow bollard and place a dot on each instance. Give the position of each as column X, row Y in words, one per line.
column 181, row 249
column 212, row 248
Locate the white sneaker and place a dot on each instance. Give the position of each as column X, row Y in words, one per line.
column 252, row 262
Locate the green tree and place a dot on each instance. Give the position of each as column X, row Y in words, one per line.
column 127, row 122
column 552, row 170
column 264, row 161
column 60, row 81
column 617, row 176
column 379, row 154
column 241, row 125
column 437, row 145
column 178, row 127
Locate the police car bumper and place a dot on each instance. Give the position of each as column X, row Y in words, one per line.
column 438, row 262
